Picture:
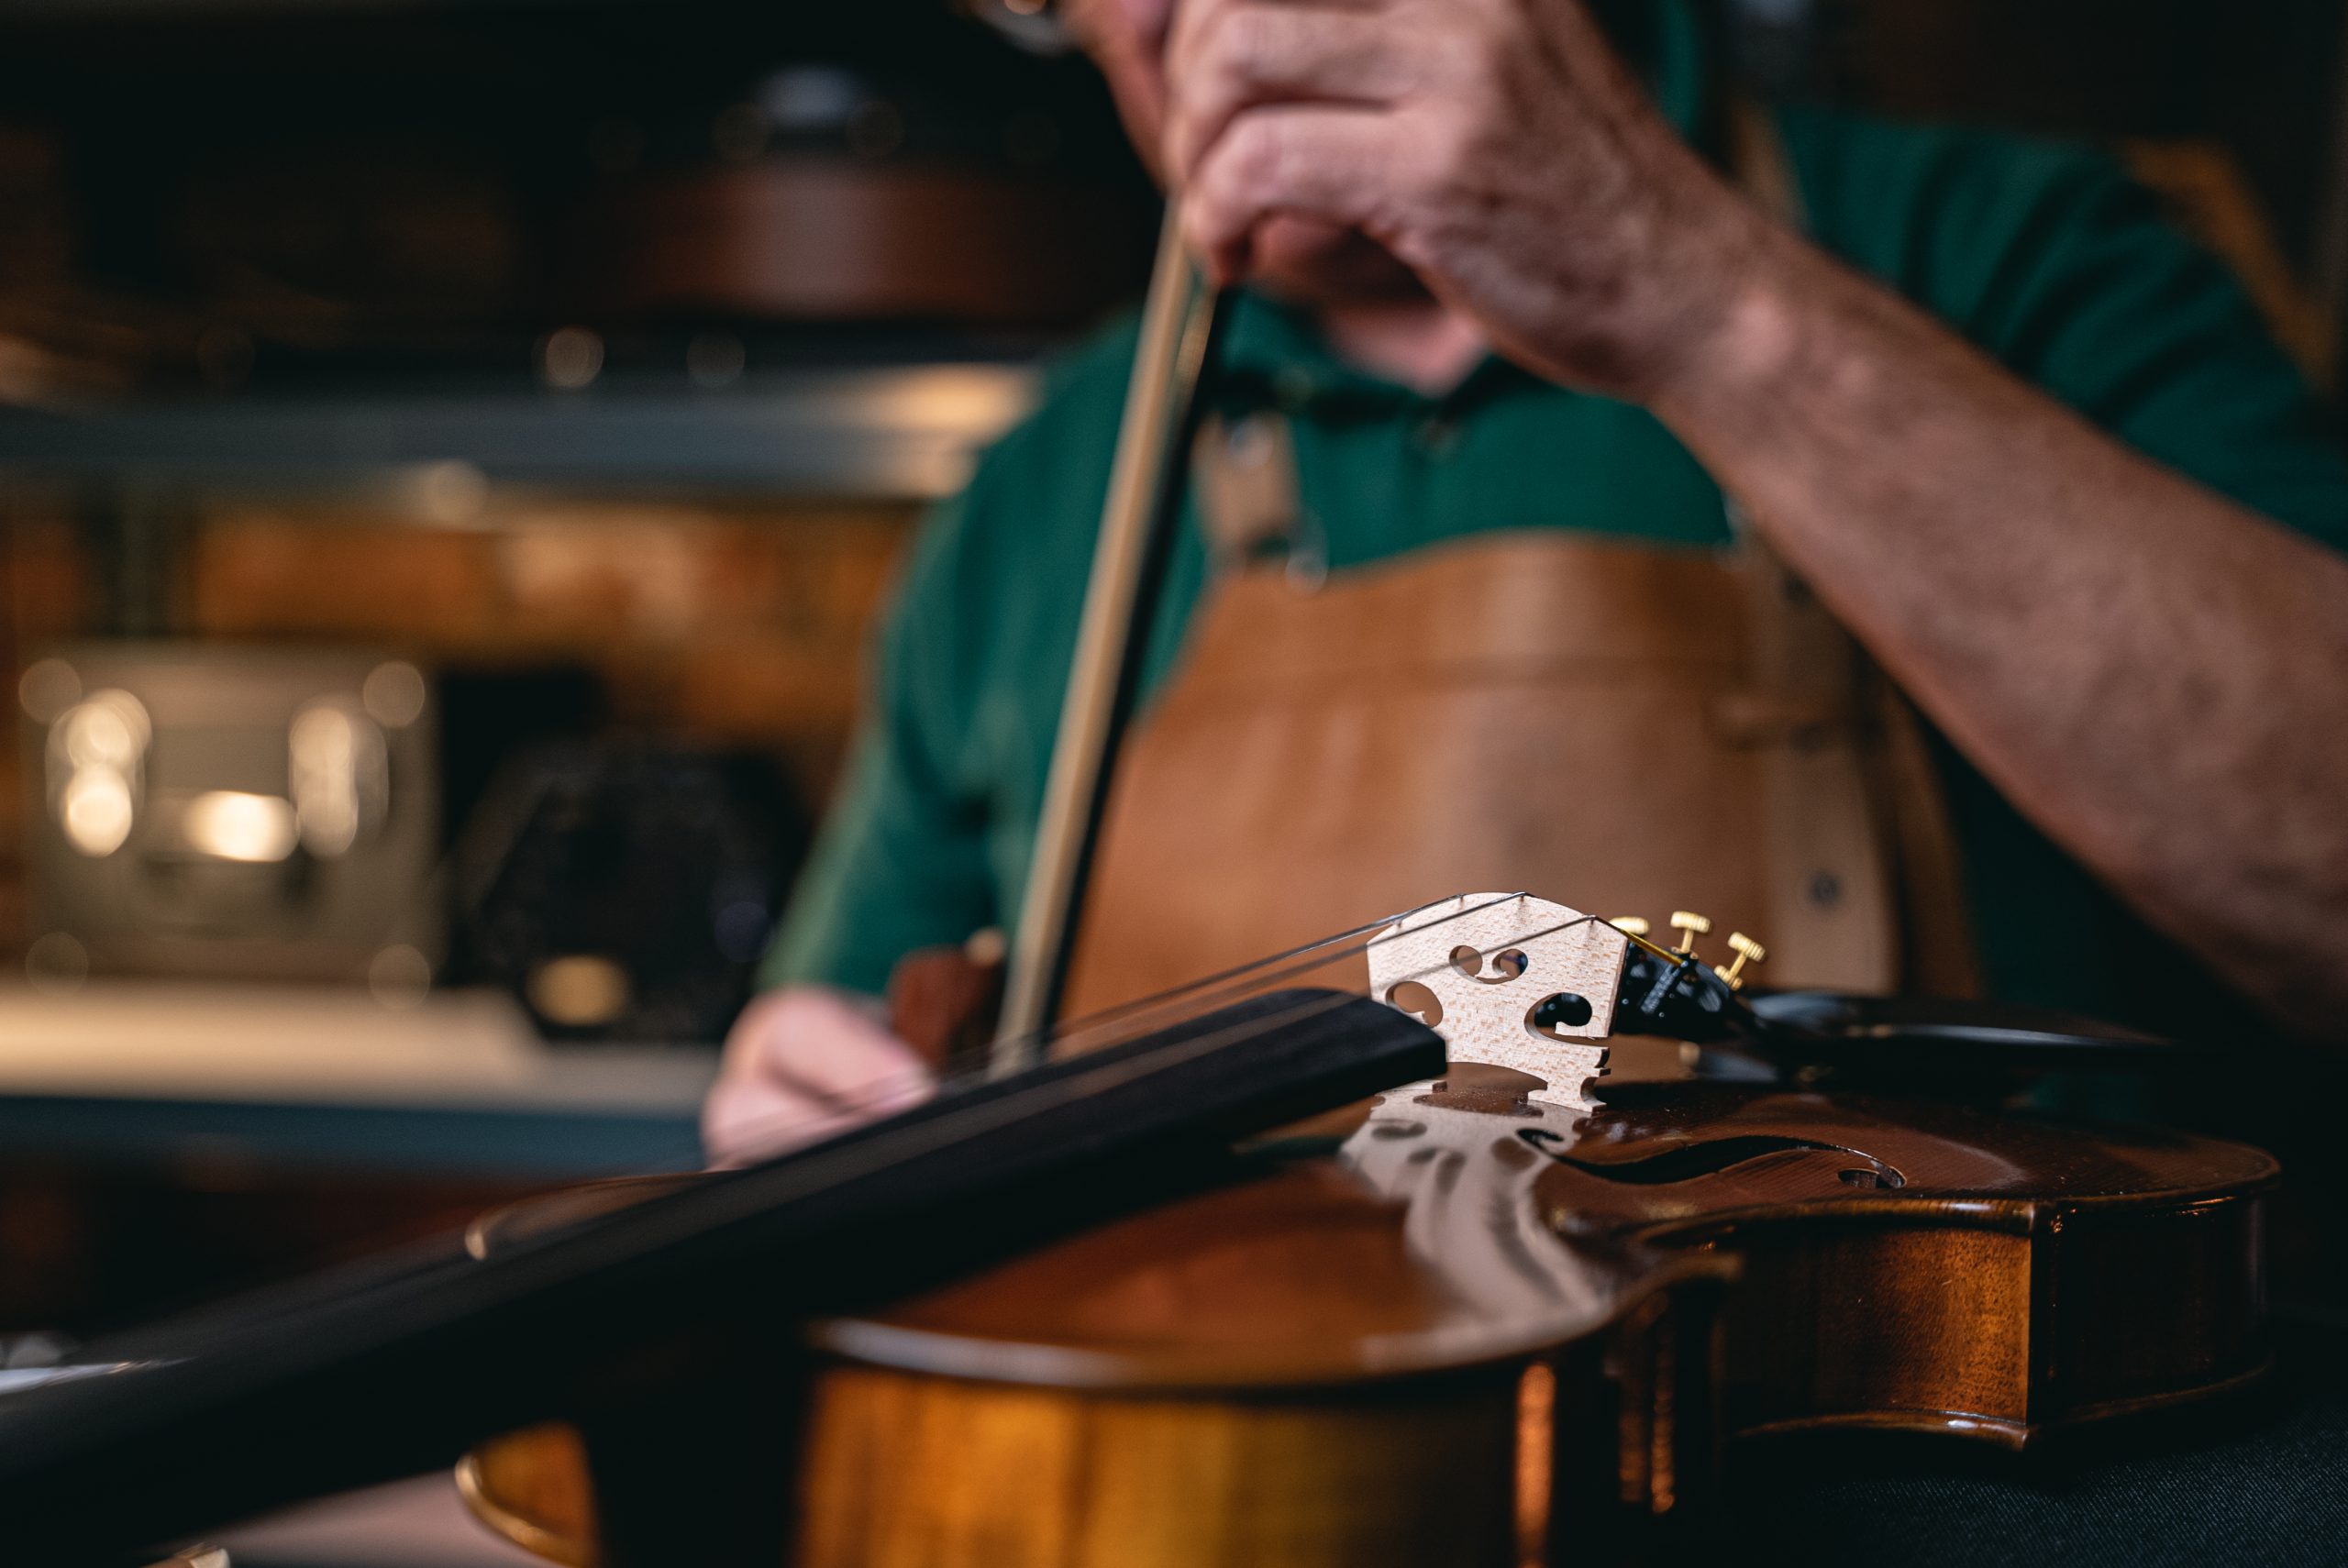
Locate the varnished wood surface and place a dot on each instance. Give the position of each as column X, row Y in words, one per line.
column 924, row 1474
column 1934, row 1267
column 927, row 1473
column 1943, row 1154
column 1284, row 1369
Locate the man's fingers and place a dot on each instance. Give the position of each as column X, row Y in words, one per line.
column 743, row 1130
column 821, row 1044
column 761, row 1110
column 1192, row 20
column 1252, row 52
column 1326, row 163
column 803, row 1064
column 753, row 1119
column 843, row 1072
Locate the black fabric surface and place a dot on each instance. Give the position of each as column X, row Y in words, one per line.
column 2262, row 1482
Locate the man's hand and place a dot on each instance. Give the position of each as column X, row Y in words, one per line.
column 803, row 1063
column 1498, row 147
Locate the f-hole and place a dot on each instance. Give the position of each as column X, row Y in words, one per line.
column 1713, row 1156
column 1507, row 964
column 1409, row 996
column 1553, row 1015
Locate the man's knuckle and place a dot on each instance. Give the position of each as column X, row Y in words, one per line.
column 1232, row 177
column 1425, row 163
column 790, row 1010
column 1270, row 152
column 1246, row 49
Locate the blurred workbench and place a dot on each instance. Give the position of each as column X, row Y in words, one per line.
column 284, row 1076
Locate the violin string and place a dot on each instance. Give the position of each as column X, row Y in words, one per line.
column 1195, row 999
column 1109, row 1026
column 957, row 1120
column 1244, row 979
column 844, row 1109
column 845, row 1118
column 844, row 1112
column 1252, row 978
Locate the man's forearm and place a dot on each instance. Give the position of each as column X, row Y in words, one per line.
column 2156, row 675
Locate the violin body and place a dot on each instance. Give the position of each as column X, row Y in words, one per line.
column 1930, row 1267
column 1487, row 1327
column 1270, row 1371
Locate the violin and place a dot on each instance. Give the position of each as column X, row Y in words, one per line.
column 1505, row 1315
column 1165, row 1298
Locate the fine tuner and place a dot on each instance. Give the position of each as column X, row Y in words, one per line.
column 1690, row 926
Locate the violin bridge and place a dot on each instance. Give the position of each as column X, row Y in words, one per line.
column 1511, row 981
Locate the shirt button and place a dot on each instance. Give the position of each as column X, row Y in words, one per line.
column 1293, row 388
column 1436, row 437
column 1252, row 440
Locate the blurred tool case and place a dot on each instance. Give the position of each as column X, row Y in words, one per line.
column 625, row 890
column 260, row 813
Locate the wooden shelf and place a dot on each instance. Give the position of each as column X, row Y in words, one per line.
column 894, row 433
column 278, row 1076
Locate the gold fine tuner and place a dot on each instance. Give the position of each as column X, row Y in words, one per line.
column 1633, row 925
column 1690, row 927
column 1746, row 951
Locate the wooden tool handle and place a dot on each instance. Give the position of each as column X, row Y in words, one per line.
column 1177, row 323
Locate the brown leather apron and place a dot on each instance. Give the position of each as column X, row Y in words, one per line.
column 1627, row 729
column 1623, row 728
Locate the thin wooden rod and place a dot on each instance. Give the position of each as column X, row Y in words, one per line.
column 1176, row 324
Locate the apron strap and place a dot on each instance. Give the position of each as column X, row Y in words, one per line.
column 1243, row 477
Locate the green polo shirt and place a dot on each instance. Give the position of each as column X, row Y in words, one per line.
column 2045, row 256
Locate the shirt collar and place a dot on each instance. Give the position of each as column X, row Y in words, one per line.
column 1271, row 353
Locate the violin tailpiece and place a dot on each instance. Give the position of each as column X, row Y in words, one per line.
column 1508, row 981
